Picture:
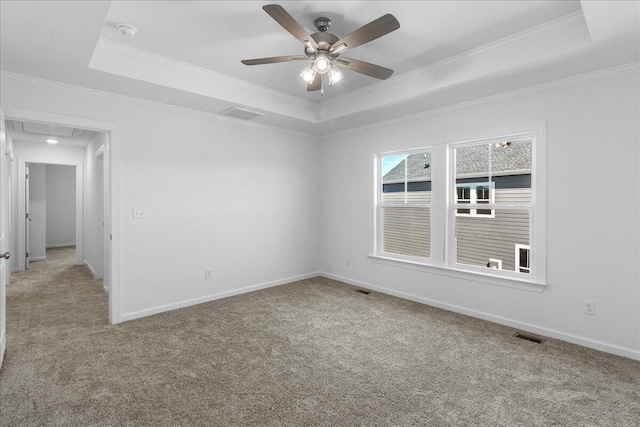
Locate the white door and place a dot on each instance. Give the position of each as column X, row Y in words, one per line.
column 27, row 219
column 4, row 235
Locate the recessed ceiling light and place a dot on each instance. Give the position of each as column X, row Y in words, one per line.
column 52, row 141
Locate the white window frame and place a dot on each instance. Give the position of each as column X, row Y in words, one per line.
column 379, row 205
column 442, row 210
column 474, row 199
column 517, row 258
column 453, row 206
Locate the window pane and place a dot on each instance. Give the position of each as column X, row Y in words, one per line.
column 472, row 162
column 511, row 157
column 482, row 193
column 393, row 179
column 524, row 257
column 406, row 230
column 419, row 178
column 479, row 239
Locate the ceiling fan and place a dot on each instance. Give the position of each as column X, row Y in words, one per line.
column 325, row 49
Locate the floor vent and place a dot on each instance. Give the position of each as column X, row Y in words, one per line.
column 240, row 113
column 363, row 292
column 528, row 338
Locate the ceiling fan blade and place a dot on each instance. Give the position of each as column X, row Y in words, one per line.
column 316, row 84
column 374, row 29
column 273, row 59
column 283, row 18
column 365, row 68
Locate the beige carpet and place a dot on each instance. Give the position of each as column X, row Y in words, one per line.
column 311, row 353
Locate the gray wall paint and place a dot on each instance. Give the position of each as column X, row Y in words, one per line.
column 61, row 205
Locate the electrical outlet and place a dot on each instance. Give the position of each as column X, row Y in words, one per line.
column 208, row 273
column 348, row 261
column 589, row 307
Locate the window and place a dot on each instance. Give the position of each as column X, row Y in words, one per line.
column 474, row 193
column 405, row 204
column 522, row 258
column 469, row 207
column 497, row 214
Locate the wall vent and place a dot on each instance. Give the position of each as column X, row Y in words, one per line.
column 528, row 338
column 241, row 113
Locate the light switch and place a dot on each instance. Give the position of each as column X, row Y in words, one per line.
column 139, row 213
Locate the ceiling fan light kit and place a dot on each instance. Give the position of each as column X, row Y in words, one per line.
column 325, row 49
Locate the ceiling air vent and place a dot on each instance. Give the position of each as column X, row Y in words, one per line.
column 240, row 113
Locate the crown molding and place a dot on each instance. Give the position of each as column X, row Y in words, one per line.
column 607, row 73
column 552, row 86
column 119, row 59
column 38, row 83
column 526, row 36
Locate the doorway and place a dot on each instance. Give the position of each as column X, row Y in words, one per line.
column 96, row 219
column 50, row 210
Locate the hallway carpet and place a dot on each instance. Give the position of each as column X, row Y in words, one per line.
column 314, row 352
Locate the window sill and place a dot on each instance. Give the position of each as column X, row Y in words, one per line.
column 491, row 279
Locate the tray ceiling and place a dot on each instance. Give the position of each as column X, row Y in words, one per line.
column 188, row 53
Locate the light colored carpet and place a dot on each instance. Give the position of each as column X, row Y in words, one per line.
column 315, row 352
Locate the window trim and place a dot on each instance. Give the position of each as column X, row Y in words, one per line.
column 441, row 219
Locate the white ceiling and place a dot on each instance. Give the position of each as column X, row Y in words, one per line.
column 39, row 133
column 217, row 36
column 188, row 53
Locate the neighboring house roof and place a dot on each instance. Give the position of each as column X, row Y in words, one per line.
column 473, row 161
column 416, row 169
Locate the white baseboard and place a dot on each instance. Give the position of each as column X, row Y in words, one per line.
column 60, row 245
column 37, row 258
column 526, row 327
column 186, row 303
column 91, row 270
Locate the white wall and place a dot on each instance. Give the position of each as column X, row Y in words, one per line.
column 238, row 198
column 37, row 211
column 592, row 213
column 93, row 254
column 61, row 205
column 247, row 202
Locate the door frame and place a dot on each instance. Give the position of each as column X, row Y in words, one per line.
column 113, row 220
column 22, row 235
column 23, row 238
column 5, row 232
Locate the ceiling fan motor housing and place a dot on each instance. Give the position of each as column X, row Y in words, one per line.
column 324, row 41
column 322, row 24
